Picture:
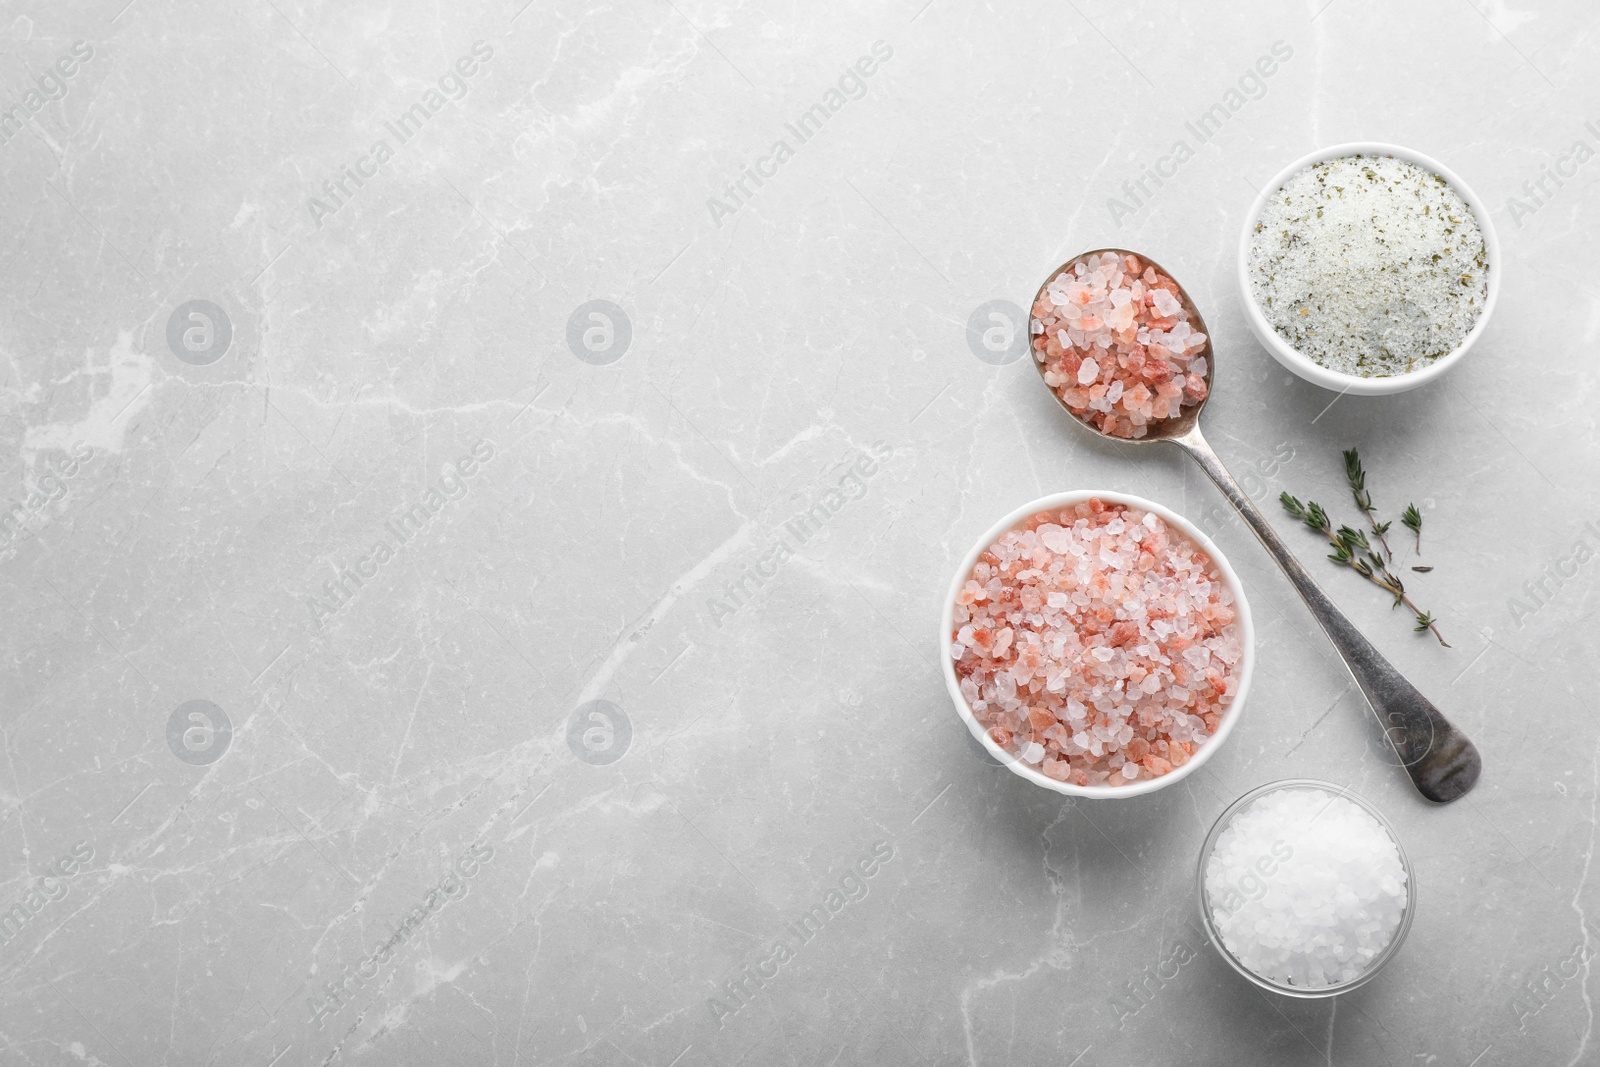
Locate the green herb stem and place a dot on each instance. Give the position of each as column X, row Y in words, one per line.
column 1352, row 549
column 1412, row 520
column 1358, row 489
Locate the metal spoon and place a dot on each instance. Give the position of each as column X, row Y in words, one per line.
column 1442, row 762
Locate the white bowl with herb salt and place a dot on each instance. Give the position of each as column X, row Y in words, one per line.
column 1368, row 268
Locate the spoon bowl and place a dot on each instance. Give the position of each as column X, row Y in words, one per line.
column 1441, row 762
column 1167, row 429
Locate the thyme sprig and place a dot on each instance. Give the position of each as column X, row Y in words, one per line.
column 1411, row 518
column 1358, row 489
column 1352, row 549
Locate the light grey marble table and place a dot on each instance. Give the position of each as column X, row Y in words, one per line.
column 308, row 415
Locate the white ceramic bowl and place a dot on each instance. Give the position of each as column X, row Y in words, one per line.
column 1338, row 381
column 1145, row 785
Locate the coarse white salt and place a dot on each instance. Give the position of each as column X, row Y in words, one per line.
column 1305, row 887
column 1369, row 265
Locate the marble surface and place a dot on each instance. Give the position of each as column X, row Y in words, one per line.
column 568, row 756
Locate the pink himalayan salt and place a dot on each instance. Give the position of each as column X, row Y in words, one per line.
column 1116, row 344
column 1094, row 639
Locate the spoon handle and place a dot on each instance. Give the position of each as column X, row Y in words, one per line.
column 1442, row 762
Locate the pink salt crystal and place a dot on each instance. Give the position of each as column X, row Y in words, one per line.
column 1083, row 664
column 1132, row 333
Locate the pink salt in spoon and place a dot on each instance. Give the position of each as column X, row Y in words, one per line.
column 1442, row 762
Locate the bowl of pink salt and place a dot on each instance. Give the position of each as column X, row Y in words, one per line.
column 1097, row 644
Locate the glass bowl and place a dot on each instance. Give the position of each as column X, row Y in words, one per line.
column 1215, row 937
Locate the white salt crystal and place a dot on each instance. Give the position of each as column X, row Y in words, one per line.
column 1054, row 537
column 1088, row 370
